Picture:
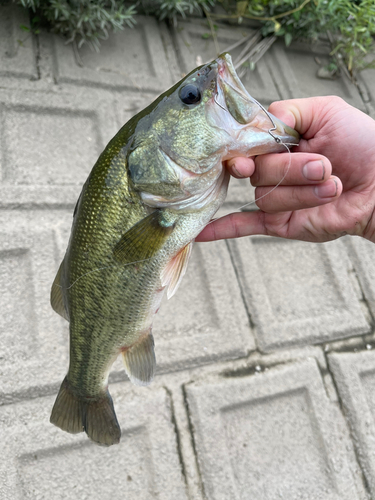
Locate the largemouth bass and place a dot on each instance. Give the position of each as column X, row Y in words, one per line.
column 156, row 185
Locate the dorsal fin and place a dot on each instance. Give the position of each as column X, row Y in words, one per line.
column 175, row 270
column 140, row 362
column 144, row 239
column 57, row 300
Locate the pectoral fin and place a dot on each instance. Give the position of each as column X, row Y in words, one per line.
column 175, row 270
column 57, row 300
column 144, row 239
column 140, row 362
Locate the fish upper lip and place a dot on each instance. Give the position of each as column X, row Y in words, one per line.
column 275, row 127
column 225, row 66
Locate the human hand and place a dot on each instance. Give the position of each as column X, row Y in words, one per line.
column 329, row 189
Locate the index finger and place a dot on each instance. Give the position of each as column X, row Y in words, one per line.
column 241, row 167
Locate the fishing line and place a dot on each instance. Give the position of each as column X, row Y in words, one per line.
column 280, row 181
column 276, row 139
column 268, row 192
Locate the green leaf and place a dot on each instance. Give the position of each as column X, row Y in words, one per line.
column 24, row 28
column 241, row 8
column 288, row 39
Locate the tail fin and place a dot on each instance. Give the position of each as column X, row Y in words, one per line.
column 94, row 416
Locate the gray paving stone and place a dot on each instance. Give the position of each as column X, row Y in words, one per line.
column 206, row 320
column 41, row 461
column 362, row 254
column 49, row 144
column 191, row 45
column 366, row 80
column 143, row 65
column 297, row 293
column 17, row 47
column 34, row 340
column 354, row 375
column 271, row 436
column 294, row 70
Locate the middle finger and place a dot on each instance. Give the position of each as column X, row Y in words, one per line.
column 298, row 168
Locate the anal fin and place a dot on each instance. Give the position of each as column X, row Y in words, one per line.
column 140, row 362
column 57, row 299
column 175, row 270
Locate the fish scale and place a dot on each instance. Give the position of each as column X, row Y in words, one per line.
column 156, row 185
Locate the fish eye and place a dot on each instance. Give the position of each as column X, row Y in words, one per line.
column 190, row 94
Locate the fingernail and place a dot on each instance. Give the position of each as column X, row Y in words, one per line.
column 314, row 170
column 326, row 190
column 237, row 172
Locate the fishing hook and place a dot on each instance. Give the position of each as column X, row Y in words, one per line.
column 217, row 102
column 276, row 139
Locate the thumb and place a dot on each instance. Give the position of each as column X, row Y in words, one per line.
column 307, row 116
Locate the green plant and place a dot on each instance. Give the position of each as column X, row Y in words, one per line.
column 83, row 21
column 171, row 9
column 350, row 24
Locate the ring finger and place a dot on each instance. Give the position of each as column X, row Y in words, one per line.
column 290, row 198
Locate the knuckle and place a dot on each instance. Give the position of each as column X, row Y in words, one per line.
column 255, row 177
column 298, row 197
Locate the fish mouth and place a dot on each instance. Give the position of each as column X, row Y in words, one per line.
column 245, row 111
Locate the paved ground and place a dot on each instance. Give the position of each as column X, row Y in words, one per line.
column 265, row 387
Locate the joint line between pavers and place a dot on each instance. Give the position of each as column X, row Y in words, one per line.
column 178, row 439
column 192, row 437
column 349, row 429
column 251, row 322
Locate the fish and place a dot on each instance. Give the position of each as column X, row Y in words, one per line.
column 156, row 185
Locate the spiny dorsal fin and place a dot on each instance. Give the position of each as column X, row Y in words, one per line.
column 175, row 270
column 144, row 239
column 140, row 362
column 57, row 300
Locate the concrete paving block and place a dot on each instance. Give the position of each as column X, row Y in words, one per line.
column 354, row 374
column 194, row 50
column 297, row 292
column 270, row 436
column 40, row 461
column 206, row 320
column 49, row 143
column 131, row 59
column 128, row 106
column 362, row 254
column 17, row 46
column 34, row 342
column 294, row 69
column 366, row 81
